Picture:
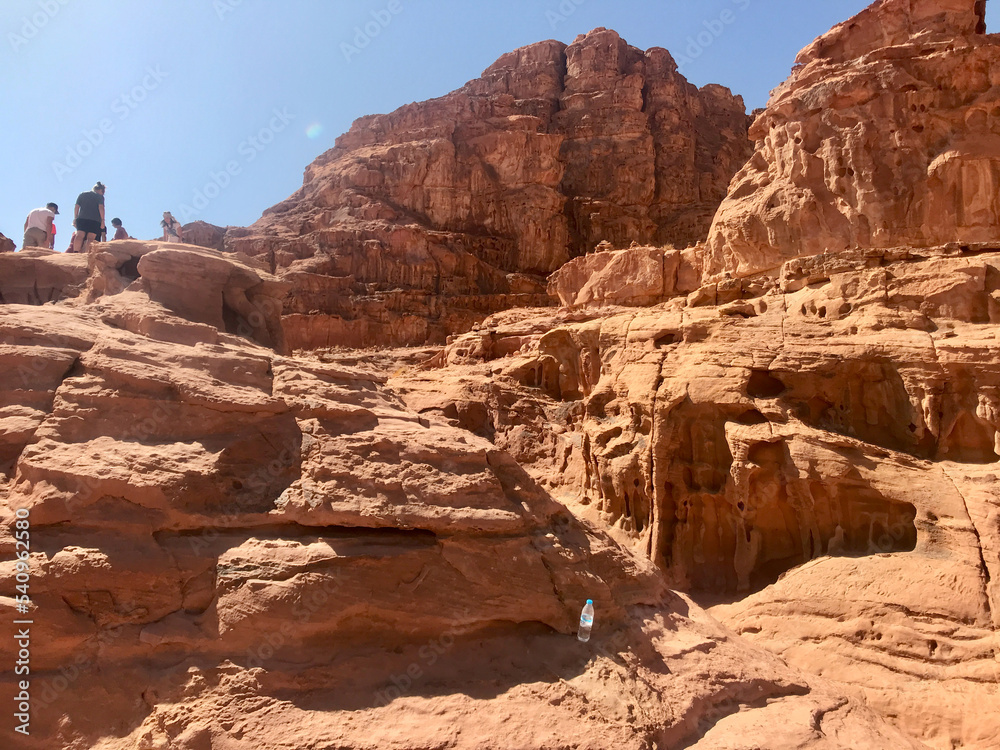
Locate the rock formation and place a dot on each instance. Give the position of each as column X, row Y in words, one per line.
column 797, row 423
column 6, row 245
column 419, row 223
column 205, row 235
column 886, row 134
column 234, row 548
column 838, row 429
column 638, row 277
column 215, row 292
column 36, row 276
column 813, row 433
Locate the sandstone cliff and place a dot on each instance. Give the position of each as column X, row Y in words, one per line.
column 797, row 424
column 886, row 134
column 816, row 440
column 842, row 425
column 423, row 221
column 234, row 548
column 37, row 276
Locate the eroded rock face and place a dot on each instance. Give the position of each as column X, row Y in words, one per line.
column 421, row 222
column 838, row 420
column 36, row 276
column 235, row 548
column 205, row 235
column 6, row 245
column 636, row 277
column 886, row 134
column 210, row 291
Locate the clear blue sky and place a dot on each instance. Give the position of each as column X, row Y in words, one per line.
column 156, row 98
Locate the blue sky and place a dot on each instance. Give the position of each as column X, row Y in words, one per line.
column 213, row 108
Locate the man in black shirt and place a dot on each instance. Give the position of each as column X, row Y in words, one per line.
column 89, row 215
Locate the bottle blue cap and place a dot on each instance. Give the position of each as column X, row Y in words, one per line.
column 590, row 601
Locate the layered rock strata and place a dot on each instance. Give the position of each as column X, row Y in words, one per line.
column 421, row 222
column 886, row 134
column 817, row 423
column 203, row 234
column 636, row 277
column 211, row 291
column 36, row 276
column 840, row 422
column 234, row 548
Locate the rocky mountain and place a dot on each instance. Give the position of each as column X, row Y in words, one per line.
column 806, row 433
column 770, row 458
column 420, row 222
column 887, row 134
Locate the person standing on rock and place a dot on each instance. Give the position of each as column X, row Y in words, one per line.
column 172, row 231
column 120, row 233
column 38, row 229
column 89, row 215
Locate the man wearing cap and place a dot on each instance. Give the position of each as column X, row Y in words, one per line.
column 38, row 226
column 89, row 218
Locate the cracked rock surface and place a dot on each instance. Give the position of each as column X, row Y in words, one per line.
column 240, row 549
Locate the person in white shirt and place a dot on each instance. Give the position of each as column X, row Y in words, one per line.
column 172, row 231
column 38, row 226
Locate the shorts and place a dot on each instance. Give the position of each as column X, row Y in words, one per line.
column 90, row 226
column 35, row 237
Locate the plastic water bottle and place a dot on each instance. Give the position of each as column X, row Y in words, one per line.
column 586, row 621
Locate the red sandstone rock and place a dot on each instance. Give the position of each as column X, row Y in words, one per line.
column 222, row 291
column 6, row 245
column 36, row 276
column 886, row 134
column 812, row 435
column 204, row 234
column 234, row 548
column 850, row 409
column 421, row 222
column 638, row 277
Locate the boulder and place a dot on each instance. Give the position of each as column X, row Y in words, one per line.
column 201, row 286
column 203, row 234
column 36, row 276
column 637, row 277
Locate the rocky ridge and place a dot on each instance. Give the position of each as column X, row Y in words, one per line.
column 811, row 437
column 886, row 134
column 421, row 222
column 802, row 434
column 830, row 443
